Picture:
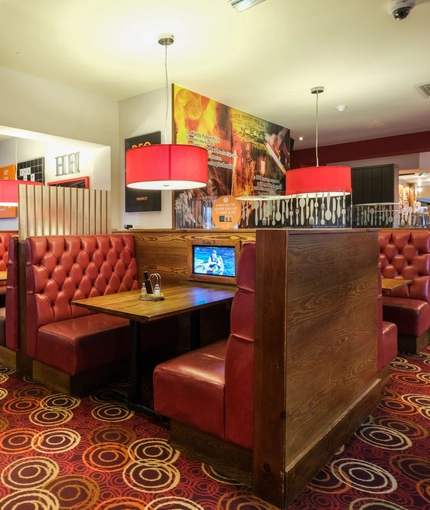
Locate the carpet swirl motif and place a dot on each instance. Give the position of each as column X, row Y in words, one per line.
column 59, row 452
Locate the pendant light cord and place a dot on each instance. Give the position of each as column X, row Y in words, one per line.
column 166, row 98
column 317, row 91
column 316, row 131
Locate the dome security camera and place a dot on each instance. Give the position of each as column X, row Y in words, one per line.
column 400, row 9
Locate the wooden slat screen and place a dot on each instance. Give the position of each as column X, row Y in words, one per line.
column 52, row 210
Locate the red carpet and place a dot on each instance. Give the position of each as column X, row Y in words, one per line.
column 59, row 452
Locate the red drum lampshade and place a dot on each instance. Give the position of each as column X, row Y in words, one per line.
column 318, row 179
column 9, row 191
column 166, row 166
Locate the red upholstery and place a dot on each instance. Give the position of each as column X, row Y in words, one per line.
column 62, row 268
column 4, row 257
column 406, row 254
column 387, row 334
column 211, row 388
column 9, row 326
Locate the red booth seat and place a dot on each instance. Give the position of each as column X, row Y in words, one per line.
column 4, row 258
column 9, row 340
column 73, row 349
column 211, row 389
column 387, row 339
column 405, row 254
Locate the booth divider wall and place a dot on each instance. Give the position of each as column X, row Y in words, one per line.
column 316, row 329
column 316, row 340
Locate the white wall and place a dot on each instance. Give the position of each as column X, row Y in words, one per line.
column 140, row 115
column 41, row 106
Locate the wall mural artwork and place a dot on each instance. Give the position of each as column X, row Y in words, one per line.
column 248, row 156
column 8, row 173
column 139, row 199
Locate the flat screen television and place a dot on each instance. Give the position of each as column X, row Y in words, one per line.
column 213, row 260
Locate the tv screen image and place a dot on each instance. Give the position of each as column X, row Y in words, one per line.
column 214, row 260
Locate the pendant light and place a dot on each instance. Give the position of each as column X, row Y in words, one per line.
column 166, row 166
column 312, row 181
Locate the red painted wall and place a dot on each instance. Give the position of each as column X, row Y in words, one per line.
column 377, row 148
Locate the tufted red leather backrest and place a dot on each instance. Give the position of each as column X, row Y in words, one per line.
column 406, row 253
column 12, row 293
column 60, row 269
column 239, row 360
column 4, row 251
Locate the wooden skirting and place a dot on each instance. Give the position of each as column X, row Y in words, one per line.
column 80, row 384
column 227, row 458
column 315, row 455
column 7, row 357
column 384, row 375
column 412, row 344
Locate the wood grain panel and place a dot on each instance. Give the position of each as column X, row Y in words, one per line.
column 166, row 251
column 52, row 210
column 315, row 351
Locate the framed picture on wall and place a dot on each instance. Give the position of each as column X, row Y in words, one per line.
column 78, row 182
column 7, row 173
column 141, row 200
column 32, row 170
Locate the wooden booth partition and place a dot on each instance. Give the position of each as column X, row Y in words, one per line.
column 167, row 252
column 315, row 352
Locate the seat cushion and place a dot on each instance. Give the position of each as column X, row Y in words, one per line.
column 84, row 343
column 411, row 316
column 3, row 326
column 190, row 388
column 387, row 348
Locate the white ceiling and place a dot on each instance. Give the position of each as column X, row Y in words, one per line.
column 263, row 61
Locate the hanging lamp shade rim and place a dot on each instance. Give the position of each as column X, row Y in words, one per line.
column 166, row 166
column 9, row 190
column 318, row 179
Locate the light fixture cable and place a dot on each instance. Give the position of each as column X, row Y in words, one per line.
column 317, row 91
column 166, row 40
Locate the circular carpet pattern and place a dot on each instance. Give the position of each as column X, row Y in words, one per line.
column 92, row 453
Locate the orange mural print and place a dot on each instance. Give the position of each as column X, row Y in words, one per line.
column 248, row 156
column 8, row 173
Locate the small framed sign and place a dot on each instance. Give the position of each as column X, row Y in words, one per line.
column 142, row 199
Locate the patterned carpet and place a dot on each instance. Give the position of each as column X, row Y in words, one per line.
column 59, row 452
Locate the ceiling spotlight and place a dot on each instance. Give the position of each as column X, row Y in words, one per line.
column 242, row 5
column 341, row 108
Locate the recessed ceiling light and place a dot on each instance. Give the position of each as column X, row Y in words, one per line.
column 341, row 108
column 242, row 5
column 301, row 138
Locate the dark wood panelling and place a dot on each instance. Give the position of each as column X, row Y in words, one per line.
column 166, row 251
column 375, row 184
column 315, row 352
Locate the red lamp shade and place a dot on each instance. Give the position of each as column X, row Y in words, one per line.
column 318, row 179
column 166, row 166
column 9, row 191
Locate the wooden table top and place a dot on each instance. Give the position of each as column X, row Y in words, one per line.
column 3, row 276
column 179, row 298
column 394, row 283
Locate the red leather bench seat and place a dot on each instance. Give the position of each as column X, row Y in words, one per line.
column 9, row 326
column 190, row 388
column 211, row 388
column 4, row 258
column 387, row 350
column 412, row 316
column 60, row 269
column 83, row 343
column 405, row 253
